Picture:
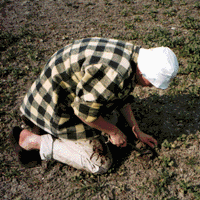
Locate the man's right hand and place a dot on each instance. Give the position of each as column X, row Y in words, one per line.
column 116, row 136
column 118, row 139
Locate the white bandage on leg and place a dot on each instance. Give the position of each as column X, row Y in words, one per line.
column 78, row 154
column 74, row 153
column 46, row 148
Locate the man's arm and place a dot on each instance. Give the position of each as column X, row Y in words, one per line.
column 116, row 136
column 129, row 116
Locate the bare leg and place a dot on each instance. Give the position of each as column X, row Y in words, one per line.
column 29, row 140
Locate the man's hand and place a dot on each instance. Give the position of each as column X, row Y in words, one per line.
column 129, row 116
column 145, row 138
column 118, row 139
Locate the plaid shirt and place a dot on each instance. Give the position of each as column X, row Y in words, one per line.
column 86, row 79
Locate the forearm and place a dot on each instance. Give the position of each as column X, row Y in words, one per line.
column 103, row 126
column 129, row 116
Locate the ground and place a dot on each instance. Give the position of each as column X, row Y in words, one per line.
column 32, row 30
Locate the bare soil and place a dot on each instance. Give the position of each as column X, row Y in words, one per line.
column 32, row 30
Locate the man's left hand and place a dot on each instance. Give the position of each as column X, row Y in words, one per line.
column 145, row 138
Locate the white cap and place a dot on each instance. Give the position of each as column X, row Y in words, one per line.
column 158, row 65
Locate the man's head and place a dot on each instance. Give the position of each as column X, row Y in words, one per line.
column 158, row 66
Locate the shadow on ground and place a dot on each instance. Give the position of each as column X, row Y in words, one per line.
column 163, row 117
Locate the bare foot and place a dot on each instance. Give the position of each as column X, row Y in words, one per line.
column 29, row 140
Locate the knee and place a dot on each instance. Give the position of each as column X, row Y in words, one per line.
column 105, row 166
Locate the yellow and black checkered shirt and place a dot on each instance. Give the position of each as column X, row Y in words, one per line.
column 85, row 78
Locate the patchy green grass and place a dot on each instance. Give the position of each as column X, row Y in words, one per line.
column 192, row 161
column 159, row 35
column 137, row 19
column 8, row 172
column 24, row 40
column 87, row 183
column 166, row 161
column 161, row 183
column 129, row 25
column 153, row 14
column 124, row 12
column 7, row 39
column 189, row 188
column 197, row 5
column 171, row 12
column 164, row 3
column 191, row 23
column 4, row 3
column 166, row 144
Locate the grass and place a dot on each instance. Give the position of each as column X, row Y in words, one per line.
column 191, row 23
column 127, row 1
column 4, row 3
column 9, row 172
column 16, row 73
column 7, row 39
column 166, row 161
column 129, row 25
column 147, row 6
column 94, row 188
column 87, row 183
column 124, row 12
column 161, row 183
column 188, row 188
column 153, row 14
column 191, row 49
column 183, row 137
column 172, row 198
column 12, row 173
column 160, row 35
column 164, row 3
column 192, row 161
column 107, row 3
column 137, row 19
column 197, row 5
column 170, row 13
column 23, row 40
column 166, row 144
column 183, row 3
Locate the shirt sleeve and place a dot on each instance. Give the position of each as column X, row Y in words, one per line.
column 98, row 85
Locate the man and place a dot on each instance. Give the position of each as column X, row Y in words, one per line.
column 79, row 89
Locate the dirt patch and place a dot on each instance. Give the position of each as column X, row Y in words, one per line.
column 32, row 30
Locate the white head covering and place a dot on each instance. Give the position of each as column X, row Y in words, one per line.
column 158, row 65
